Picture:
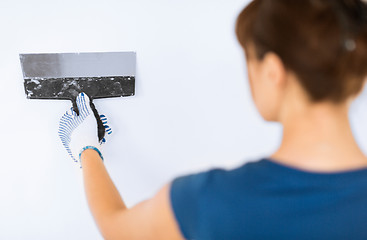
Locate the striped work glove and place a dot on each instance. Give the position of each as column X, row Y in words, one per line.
column 79, row 132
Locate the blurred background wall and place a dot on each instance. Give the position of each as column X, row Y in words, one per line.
column 192, row 110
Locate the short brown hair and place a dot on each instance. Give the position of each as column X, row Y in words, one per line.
column 324, row 42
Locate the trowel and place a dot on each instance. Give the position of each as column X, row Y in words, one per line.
column 62, row 76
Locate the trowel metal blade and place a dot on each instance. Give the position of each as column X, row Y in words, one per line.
column 65, row 75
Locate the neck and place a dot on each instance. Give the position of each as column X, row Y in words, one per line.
column 318, row 137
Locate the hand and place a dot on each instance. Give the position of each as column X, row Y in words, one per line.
column 79, row 132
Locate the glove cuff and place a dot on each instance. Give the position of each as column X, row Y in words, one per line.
column 90, row 147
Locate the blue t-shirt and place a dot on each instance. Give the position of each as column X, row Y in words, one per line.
column 268, row 200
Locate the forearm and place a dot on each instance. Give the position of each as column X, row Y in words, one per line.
column 103, row 198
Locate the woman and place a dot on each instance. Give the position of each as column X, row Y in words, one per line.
column 306, row 62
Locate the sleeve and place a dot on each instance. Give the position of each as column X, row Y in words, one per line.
column 186, row 195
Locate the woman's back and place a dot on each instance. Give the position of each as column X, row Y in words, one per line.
column 268, row 200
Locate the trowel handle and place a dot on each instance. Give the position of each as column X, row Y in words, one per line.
column 101, row 128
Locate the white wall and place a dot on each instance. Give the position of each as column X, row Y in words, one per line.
column 192, row 110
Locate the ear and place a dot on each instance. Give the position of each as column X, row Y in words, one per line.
column 274, row 69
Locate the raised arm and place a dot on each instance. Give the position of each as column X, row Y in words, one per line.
column 151, row 219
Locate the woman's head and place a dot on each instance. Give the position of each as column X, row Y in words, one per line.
column 322, row 44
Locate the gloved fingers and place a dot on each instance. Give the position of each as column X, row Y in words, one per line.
column 70, row 120
column 83, row 104
column 105, row 124
column 103, row 118
column 70, row 113
column 108, row 130
column 66, row 126
column 67, row 121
